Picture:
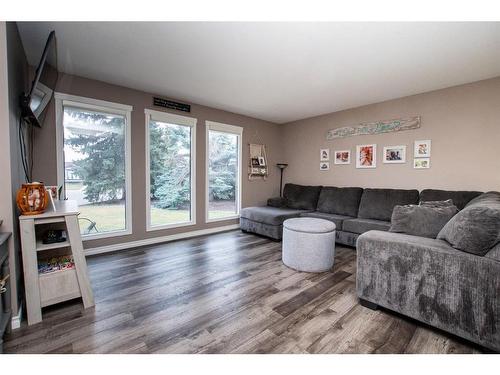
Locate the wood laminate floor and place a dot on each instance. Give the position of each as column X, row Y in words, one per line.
column 223, row 293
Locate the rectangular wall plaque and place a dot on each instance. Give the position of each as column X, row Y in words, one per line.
column 171, row 104
column 379, row 127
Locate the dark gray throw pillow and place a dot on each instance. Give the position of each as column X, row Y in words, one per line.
column 423, row 221
column 446, row 203
column 475, row 229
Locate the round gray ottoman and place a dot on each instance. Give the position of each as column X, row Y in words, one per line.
column 308, row 244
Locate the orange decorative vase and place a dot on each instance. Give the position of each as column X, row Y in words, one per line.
column 32, row 198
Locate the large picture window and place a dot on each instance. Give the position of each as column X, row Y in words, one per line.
column 223, row 171
column 95, row 164
column 170, row 170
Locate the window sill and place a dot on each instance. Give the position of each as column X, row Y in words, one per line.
column 225, row 218
column 98, row 236
column 152, row 228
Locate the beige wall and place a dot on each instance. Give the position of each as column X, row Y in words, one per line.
column 13, row 82
column 463, row 123
column 255, row 131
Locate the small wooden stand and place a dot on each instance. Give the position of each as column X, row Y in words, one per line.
column 47, row 289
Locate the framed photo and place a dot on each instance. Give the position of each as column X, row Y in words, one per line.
column 324, row 166
column 255, row 162
column 422, row 163
column 394, row 154
column 53, row 191
column 324, row 154
column 262, row 161
column 342, row 157
column 422, row 149
column 366, row 156
column 254, row 170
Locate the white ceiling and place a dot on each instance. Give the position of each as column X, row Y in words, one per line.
column 278, row 72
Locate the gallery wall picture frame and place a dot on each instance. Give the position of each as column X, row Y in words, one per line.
column 422, row 163
column 324, row 154
column 366, row 156
column 324, row 166
column 262, row 161
column 342, row 157
column 394, row 154
column 422, row 149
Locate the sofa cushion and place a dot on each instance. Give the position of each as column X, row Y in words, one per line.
column 301, row 197
column 494, row 253
column 277, row 202
column 364, row 225
column 475, row 229
column 337, row 219
column 269, row 215
column 340, row 201
column 459, row 198
column 378, row 203
column 424, row 221
column 491, row 197
column 446, row 203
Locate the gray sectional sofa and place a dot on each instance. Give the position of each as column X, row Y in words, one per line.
column 353, row 210
column 451, row 282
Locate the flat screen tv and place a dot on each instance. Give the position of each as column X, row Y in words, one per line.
column 34, row 103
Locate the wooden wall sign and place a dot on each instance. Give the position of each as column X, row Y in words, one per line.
column 159, row 102
column 379, row 127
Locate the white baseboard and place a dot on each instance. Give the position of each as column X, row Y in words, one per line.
column 157, row 240
column 15, row 322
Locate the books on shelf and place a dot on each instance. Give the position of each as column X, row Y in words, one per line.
column 54, row 264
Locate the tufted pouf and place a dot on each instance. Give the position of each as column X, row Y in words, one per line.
column 308, row 244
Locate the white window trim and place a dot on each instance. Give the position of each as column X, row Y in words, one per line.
column 177, row 120
column 62, row 100
column 223, row 128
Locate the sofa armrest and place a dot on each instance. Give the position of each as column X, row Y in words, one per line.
column 430, row 281
column 277, row 202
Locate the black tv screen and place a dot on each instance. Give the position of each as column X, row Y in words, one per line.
column 34, row 104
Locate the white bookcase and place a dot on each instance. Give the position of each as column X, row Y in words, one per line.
column 51, row 288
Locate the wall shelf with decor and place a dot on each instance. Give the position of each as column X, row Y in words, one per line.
column 258, row 167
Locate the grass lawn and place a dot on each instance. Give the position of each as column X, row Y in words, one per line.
column 111, row 217
column 74, row 185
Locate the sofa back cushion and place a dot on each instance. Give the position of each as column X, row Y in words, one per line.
column 378, row 203
column 301, row 197
column 459, row 198
column 475, row 229
column 340, row 201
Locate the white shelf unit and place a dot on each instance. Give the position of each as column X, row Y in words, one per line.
column 51, row 288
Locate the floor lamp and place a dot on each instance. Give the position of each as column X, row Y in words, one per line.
column 281, row 166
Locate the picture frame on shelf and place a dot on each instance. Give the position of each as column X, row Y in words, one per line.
column 422, row 149
column 53, row 190
column 255, row 162
column 255, row 170
column 366, row 156
column 324, row 154
column 394, row 154
column 342, row 157
column 422, row 163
